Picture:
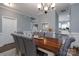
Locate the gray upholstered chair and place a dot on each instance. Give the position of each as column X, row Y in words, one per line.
column 19, row 32
column 66, row 46
column 19, row 44
column 30, row 46
column 25, row 45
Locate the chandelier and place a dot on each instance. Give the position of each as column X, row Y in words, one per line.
column 45, row 7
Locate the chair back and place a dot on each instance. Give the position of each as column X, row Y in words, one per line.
column 19, row 44
column 25, row 45
column 66, row 46
column 30, row 47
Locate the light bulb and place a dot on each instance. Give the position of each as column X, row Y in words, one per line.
column 53, row 5
column 39, row 6
column 46, row 8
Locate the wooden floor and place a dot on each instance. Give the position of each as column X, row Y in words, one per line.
column 7, row 47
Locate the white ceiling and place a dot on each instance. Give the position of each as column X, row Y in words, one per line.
column 30, row 9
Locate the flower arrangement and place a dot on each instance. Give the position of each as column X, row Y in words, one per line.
column 49, row 29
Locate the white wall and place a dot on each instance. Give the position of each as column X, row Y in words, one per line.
column 23, row 23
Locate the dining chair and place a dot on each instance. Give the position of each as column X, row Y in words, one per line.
column 30, row 46
column 66, row 46
column 25, row 45
column 19, row 44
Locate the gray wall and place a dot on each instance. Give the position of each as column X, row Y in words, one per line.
column 75, row 18
column 56, row 24
column 0, row 24
column 23, row 22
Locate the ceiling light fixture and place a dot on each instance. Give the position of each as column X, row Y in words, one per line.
column 45, row 7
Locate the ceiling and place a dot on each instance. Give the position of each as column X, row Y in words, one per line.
column 30, row 9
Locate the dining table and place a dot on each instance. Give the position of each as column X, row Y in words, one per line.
column 50, row 44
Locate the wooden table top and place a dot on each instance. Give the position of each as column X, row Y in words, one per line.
column 50, row 44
